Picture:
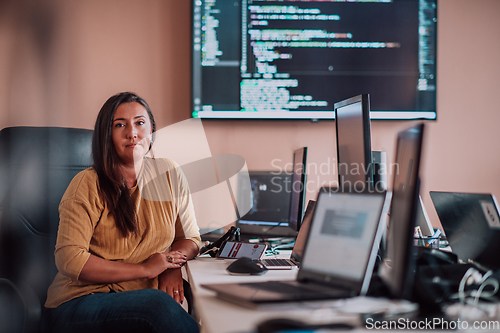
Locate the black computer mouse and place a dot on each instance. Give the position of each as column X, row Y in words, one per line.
column 246, row 266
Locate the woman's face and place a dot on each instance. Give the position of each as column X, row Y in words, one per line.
column 131, row 132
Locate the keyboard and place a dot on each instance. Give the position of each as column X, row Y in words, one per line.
column 277, row 262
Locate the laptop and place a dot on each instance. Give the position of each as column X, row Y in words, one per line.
column 270, row 201
column 277, row 198
column 339, row 254
column 471, row 222
column 298, row 247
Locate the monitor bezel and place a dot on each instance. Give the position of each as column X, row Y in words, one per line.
column 401, row 287
column 364, row 99
column 303, row 187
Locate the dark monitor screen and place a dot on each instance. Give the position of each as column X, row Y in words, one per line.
column 397, row 268
column 354, row 156
column 294, row 59
column 298, row 187
column 270, row 195
column 300, row 242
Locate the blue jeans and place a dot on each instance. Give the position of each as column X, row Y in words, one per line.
column 147, row 310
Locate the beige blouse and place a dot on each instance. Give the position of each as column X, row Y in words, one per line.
column 86, row 226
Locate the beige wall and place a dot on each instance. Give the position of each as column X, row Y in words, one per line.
column 60, row 60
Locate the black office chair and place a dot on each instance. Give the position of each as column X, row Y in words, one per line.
column 36, row 166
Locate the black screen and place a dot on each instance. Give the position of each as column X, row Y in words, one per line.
column 295, row 59
column 354, row 155
column 397, row 268
column 298, row 187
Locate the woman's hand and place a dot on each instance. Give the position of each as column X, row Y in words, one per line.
column 99, row 270
column 160, row 262
column 170, row 281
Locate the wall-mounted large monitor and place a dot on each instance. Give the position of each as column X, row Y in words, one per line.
column 294, row 59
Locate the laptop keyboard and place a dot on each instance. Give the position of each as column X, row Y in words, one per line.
column 276, row 286
column 290, row 289
column 277, row 262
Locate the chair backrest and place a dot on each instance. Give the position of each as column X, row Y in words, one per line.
column 36, row 166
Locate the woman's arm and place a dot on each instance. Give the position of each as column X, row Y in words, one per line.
column 187, row 247
column 99, row 270
column 187, row 236
column 170, row 281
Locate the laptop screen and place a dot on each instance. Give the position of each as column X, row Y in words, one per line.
column 270, row 200
column 342, row 241
column 471, row 222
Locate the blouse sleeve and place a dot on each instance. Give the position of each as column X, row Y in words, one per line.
column 79, row 211
column 186, row 226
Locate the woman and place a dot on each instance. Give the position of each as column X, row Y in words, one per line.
column 126, row 227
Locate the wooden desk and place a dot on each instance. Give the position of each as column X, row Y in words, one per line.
column 219, row 316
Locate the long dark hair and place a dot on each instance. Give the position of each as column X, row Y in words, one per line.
column 106, row 163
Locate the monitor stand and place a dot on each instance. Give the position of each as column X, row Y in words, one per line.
column 379, row 159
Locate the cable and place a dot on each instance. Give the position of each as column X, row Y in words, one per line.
column 473, row 276
column 485, row 282
column 463, row 282
column 212, row 248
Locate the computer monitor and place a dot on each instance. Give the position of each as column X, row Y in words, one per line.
column 300, row 242
column 298, row 187
column 397, row 267
column 293, row 59
column 354, row 155
column 269, row 215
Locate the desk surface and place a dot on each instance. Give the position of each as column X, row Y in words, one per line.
column 219, row 316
